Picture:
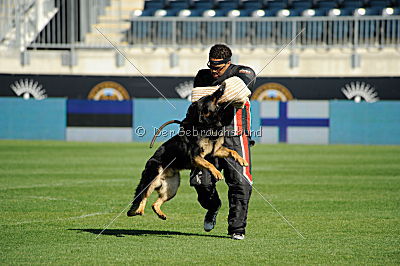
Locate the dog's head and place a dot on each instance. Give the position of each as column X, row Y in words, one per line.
column 206, row 112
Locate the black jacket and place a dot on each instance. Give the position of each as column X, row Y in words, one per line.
column 241, row 117
column 204, row 77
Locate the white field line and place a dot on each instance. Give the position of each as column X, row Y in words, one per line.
column 68, row 183
column 58, row 199
column 60, row 219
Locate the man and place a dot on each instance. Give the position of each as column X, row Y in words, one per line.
column 237, row 177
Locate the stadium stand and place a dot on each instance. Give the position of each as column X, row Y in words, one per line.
column 203, row 22
column 270, row 8
column 264, row 22
column 74, row 25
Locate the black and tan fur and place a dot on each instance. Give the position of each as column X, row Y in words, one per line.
column 185, row 151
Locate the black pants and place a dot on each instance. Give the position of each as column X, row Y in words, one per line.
column 238, row 179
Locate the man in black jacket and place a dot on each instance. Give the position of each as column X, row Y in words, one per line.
column 237, row 177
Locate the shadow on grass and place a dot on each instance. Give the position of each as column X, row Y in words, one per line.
column 133, row 232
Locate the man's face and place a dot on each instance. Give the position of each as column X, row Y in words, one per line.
column 217, row 70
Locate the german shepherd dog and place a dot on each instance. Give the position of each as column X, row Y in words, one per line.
column 185, row 150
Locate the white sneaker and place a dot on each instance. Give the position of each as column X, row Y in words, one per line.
column 237, row 236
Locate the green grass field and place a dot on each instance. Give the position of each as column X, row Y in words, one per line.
column 57, row 196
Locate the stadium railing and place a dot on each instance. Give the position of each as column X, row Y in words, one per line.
column 268, row 32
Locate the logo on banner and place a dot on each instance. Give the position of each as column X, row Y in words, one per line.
column 359, row 91
column 108, row 90
column 184, row 90
column 28, row 88
column 272, row 92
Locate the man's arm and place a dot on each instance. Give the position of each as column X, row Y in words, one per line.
column 247, row 75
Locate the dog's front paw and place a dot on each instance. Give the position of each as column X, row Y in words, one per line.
column 218, row 175
column 244, row 163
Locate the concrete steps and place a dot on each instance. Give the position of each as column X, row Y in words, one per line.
column 113, row 23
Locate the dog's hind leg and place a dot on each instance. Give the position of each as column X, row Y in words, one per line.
column 170, row 181
column 137, row 207
column 149, row 181
column 155, row 184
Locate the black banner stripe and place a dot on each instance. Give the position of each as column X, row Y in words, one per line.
column 302, row 88
column 99, row 120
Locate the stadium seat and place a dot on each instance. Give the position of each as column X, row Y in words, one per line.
column 174, row 7
column 192, row 13
column 396, row 11
column 177, row 4
column 302, row 4
column 326, row 4
column 203, row 4
column 148, row 12
column 151, row 6
column 221, row 12
column 351, row 4
column 322, row 7
column 227, row 5
column 379, row 3
column 200, row 6
column 272, row 7
column 298, row 7
column 278, row 4
column 319, row 12
column 373, row 11
column 154, row 4
column 348, row 11
column 163, row 13
column 249, row 6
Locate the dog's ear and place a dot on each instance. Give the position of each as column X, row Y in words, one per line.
column 192, row 114
column 218, row 93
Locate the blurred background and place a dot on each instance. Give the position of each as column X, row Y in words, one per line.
column 337, row 82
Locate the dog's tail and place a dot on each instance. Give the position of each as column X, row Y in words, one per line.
column 159, row 130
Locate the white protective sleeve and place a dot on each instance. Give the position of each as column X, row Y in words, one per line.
column 236, row 92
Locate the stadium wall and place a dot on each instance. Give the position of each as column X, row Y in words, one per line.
column 42, row 120
column 152, row 113
column 363, row 123
column 303, row 122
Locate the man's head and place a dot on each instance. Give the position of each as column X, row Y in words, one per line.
column 219, row 59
